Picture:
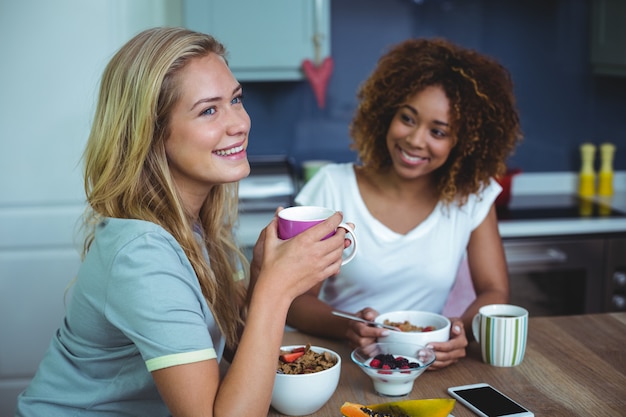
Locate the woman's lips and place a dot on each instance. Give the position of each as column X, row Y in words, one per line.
column 411, row 159
column 230, row 151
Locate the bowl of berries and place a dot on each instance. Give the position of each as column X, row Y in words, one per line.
column 393, row 367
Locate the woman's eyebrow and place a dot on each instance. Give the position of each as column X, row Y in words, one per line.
column 214, row 99
column 415, row 112
column 409, row 107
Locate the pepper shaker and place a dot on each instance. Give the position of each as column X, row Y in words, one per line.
column 605, row 177
column 587, row 176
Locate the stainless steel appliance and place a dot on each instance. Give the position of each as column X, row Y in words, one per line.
column 562, row 275
column 615, row 290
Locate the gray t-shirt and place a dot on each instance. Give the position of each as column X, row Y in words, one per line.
column 136, row 307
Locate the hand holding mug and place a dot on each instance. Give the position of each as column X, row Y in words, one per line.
column 295, row 220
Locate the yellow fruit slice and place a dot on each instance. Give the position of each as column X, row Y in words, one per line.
column 434, row 407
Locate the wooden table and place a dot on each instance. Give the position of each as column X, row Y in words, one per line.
column 573, row 366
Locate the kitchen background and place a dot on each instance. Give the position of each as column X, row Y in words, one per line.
column 546, row 45
column 53, row 53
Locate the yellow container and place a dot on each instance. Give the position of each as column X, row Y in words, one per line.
column 587, row 176
column 605, row 177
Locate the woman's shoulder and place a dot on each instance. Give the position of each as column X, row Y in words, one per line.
column 333, row 175
column 328, row 185
column 487, row 193
column 477, row 204
column 342, row 169
column 129, row 226
column 118, row 232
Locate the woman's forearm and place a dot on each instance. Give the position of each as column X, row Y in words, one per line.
column 311, row 315
column 253, row 368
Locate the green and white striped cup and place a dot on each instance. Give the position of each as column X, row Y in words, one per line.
column 501, row 331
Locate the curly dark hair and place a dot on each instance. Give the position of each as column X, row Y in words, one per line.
column 483, row 116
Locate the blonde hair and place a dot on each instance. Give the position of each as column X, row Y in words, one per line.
column 127, row 173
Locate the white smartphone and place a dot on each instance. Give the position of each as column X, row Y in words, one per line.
column 486, row 401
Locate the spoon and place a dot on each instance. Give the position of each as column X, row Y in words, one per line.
column 371, row 323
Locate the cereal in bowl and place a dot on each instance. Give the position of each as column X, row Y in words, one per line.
column 407, row 326
column 303, row 360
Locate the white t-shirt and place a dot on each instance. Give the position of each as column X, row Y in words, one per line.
column 392, row 271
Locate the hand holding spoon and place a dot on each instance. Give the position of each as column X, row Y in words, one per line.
column 371, row 323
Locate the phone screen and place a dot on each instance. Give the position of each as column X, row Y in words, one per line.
column 489, row 401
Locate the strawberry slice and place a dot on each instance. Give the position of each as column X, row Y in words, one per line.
column 290, row 357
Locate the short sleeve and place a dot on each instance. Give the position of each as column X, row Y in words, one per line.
column 481, row 203
column 154, row 298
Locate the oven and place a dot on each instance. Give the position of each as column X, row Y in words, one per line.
column 563, row 276
column 571, row 273
column 615, row 290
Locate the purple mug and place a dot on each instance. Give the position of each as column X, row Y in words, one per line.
column 294, row 220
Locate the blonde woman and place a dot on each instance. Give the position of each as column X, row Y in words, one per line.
column 161, row 295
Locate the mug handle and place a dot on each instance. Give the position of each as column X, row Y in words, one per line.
column 476, row 327
column 352, row 245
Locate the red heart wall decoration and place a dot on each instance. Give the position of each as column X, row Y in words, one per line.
column 319, row 76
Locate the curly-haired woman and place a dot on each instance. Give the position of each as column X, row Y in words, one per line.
column 434, row 126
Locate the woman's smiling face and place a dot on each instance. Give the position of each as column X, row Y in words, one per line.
column 208, row 129
column 419, row 137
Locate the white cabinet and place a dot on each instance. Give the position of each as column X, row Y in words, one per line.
column 266, row 40
column 53, row 53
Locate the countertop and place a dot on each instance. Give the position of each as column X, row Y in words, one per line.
column 550, row 188
column 524, row 186
column 565, row 370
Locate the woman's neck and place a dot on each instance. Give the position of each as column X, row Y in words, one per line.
column 389, row 183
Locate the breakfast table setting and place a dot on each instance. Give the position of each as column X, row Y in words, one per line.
column 572, row 366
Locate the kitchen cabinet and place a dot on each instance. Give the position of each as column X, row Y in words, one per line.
column 42, row 196
column 266, row 40
column 608, row 37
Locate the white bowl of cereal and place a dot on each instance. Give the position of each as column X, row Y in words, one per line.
column 418, row 327
column 304, row 382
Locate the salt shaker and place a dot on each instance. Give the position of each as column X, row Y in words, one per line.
column 587, row 176
column 605, row 176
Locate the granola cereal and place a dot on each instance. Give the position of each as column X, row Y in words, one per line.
column 407, row 326
column 309, row 362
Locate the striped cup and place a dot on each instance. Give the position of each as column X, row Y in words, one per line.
column 501, row 331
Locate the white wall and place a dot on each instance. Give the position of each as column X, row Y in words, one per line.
column 52, row 55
